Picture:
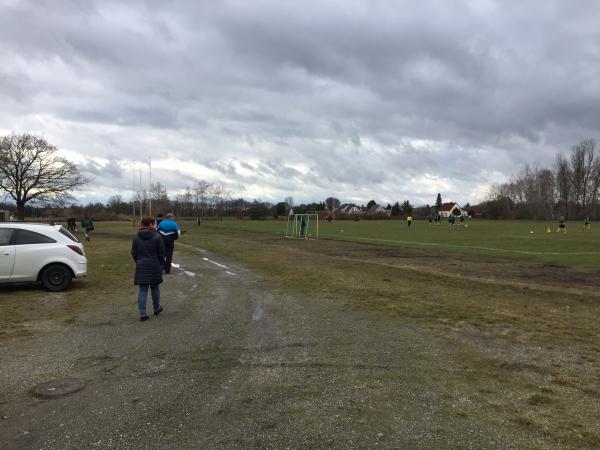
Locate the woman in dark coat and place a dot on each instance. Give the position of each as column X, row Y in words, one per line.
column 148, row 251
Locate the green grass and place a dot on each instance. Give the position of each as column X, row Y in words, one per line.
column 509, row 239
column 520, row 356
column 28, row 309
column 509, row 348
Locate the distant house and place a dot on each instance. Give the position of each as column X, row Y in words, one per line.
column 378, row 209
column 349, row 208
column 447, row 209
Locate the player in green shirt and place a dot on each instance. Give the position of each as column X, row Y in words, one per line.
column 587, row 223
column 562, row 225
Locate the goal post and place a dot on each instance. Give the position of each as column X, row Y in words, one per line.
column 302, row 226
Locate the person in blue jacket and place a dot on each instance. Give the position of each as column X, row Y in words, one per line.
column 148, row 251
column 170, row 232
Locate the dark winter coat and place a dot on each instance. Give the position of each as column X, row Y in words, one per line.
column 148, row 251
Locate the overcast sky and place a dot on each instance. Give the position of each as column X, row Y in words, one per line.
column 384, row 100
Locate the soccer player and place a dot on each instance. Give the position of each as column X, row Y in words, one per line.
column 562, row 225
column 409, row 221
column 587, row 223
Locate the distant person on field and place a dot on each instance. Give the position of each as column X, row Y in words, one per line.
column 430, row 219
column 562, row 225
column 72, row 224
column 462, row 219
column 587, row 223
column 170, row 232
column 87, row 225
column 409, row 221
column 303, row 226
column 451, row 220
column 148, row 251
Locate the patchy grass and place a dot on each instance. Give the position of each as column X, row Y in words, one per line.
column 521, row 355
column 28, row 309
column 514, row 353
column 504, row 239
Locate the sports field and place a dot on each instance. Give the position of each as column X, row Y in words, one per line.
column 476, row 337
column 506, row 239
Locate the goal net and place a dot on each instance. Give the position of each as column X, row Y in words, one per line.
column 303, row 226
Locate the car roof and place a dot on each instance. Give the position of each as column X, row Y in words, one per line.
column 27, row 224
column 40, row 227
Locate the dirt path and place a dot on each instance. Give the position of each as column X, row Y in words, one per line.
column 233, row 363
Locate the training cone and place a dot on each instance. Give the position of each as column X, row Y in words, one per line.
column 548, row 230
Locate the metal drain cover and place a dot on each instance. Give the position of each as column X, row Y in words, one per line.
column 57, row 388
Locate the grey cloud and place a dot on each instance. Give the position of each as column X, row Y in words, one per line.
column 366, row 94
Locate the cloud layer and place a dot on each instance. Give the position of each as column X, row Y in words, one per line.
column 357, row 99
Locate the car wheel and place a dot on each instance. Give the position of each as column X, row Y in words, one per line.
column 56, row 277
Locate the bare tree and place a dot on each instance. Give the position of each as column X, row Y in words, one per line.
column 114, row 202
column 562, row 173
column 582, row 167
column 290, row 201
column 201, row 194
column 160, row 197
column 187, row 203
column 30, row 170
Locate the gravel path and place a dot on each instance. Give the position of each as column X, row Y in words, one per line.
column 233, row 363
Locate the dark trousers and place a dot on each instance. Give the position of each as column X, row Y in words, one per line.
column 169, row 247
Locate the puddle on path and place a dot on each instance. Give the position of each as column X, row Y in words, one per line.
column 257, row 313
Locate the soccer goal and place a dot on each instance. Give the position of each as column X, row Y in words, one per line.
column 303, row 226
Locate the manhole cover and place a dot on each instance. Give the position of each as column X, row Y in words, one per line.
column 56, row 388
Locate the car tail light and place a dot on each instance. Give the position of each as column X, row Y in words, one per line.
column 76, row 249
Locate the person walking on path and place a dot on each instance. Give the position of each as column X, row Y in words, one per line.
column 87, row 225
column 170, row 232
column 148, row 251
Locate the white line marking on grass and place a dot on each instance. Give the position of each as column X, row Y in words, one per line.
column 217, row 264
column 468, row 246
column 193, row 248
column 222, row 266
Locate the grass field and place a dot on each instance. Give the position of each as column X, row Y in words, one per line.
column 518, row 311
column 503, row 239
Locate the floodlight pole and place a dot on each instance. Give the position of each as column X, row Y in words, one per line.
column 134, row 195
column 150, row 185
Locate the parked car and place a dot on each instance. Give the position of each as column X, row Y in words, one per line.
column 48, row 254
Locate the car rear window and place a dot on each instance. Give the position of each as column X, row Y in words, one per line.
column 5, row 235
column 67, row 234
column 25, row 237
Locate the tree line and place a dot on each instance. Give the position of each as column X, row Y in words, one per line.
column 570, row 188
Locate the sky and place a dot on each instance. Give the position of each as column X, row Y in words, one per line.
column 385, row 100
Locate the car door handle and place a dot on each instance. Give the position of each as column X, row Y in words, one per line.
column 4, row 253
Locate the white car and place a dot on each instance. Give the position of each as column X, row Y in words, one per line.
column 48, row 254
